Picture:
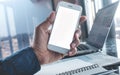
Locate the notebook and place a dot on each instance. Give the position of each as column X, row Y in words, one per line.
column 71, row 67
column 100, row 29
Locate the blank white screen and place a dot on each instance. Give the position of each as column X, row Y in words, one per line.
column 64, row 27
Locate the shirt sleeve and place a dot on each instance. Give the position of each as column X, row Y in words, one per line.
column 23, row 62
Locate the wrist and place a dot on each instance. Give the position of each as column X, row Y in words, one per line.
column 37, row 55
column 40, row 56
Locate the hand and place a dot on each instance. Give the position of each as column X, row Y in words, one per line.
column 41, row 38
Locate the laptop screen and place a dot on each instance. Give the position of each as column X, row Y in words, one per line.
column 102, row 25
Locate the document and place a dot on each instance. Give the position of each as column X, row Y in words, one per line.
column 75, row 67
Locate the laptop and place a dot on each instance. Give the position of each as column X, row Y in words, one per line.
column 100, row 29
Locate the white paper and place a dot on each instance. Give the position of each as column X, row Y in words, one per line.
column 62, row 67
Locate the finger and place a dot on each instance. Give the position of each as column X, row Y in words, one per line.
column 83, row 19
column 72, row 52
column 49, row 21
column 77, row 34
column 49, row 31
column 76, row 40
column 74, row 44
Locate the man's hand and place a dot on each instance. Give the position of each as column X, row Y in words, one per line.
column 41, row 37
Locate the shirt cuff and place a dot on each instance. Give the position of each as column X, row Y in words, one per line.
column 23, row 62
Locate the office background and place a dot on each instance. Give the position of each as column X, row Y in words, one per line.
column 18, row 18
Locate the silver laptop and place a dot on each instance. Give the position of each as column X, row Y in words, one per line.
column 99, row 32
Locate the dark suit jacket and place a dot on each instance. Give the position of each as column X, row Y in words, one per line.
column 23, row 62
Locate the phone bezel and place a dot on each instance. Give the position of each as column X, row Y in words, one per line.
column 71, row 6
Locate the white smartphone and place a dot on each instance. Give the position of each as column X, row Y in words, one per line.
column 65, row 24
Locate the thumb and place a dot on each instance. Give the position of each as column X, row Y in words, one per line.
column 49, row 20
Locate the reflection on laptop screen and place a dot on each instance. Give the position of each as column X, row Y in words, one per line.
column 102, row 25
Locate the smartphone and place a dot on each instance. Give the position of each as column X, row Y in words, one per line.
column 65, row 24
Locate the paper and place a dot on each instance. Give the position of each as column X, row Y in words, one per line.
column 62, row 67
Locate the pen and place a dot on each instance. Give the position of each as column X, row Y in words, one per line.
column 105, row 72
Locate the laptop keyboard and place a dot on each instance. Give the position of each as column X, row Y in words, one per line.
column 82, row 47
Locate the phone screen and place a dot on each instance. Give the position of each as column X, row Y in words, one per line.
column 64, row 27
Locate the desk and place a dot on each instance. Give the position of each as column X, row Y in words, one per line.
column 102, row 57
column 113, row 74
column 99, row 58
column 112, row 47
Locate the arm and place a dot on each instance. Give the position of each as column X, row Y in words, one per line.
column 28, row 60
column 23, row 62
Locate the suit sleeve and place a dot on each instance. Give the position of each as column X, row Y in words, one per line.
column 23, row 62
